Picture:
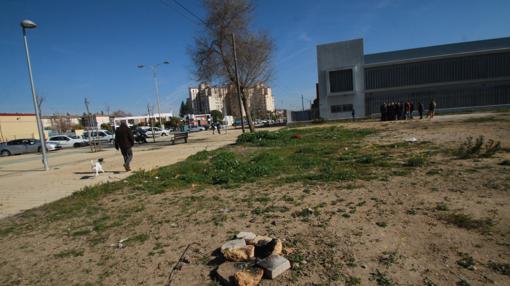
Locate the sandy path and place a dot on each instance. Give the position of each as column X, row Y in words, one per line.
column 24, row 185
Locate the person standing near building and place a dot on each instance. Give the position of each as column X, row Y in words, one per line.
column 420, row 109
column 432, row 108
column 124, row 141
column 383, row 109
column 411, row 109
column 353, row 114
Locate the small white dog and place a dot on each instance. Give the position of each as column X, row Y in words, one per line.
column 97, row 166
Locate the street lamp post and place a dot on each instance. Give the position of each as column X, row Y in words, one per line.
column 156, row 86
column 27, row 24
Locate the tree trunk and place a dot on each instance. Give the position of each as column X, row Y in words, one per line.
column 247, row 112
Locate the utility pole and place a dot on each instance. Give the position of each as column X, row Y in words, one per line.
column 156, row 84
column 150, row 121
column 302, row 103
column 92, row 142
column 237, row 82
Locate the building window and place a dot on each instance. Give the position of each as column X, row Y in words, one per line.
column 340, row 81
column 477, row 67
column 341, row 108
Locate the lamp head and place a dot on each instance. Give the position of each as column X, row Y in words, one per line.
column 140, row 66
column 27, row 24
column 166, row 62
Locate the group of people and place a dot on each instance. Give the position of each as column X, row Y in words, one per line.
column 405, row 110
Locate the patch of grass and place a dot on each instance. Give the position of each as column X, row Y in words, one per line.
column 433, row 172
column 157, row 249
column 381, row 224
column 411, row 212
column 382, row 279
column 501, row 268
column 466, row 261
column 352, row 281
column 441, row 206
column 304, row 213
column 322, row 154
column 81, row 232
column 139, row 238
column 468, row 222
column 287, row 198
column 7, row 230
column 462, row 282
column 82, row 202
column 200, row 156
column 388, row 258
column 416, row 161
column 296, row 257
column 70, row 253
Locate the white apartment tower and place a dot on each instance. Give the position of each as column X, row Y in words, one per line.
column 206, row 98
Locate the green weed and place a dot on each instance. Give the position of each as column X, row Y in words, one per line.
column 501, row 268
column 382, row 279
column 70, row 253
column 468, row 222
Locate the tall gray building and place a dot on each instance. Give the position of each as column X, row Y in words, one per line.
column 457, row 76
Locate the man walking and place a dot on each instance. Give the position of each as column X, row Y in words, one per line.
column 125, row 141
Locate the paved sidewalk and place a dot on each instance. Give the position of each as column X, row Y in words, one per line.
column 24, row 184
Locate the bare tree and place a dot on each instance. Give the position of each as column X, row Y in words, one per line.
column 62, row 123
column 212, row 53
column 40, row 100
column 120, row 113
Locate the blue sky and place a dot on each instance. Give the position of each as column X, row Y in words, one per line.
column 90, row 48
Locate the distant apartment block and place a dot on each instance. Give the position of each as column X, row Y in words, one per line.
column 206, row 98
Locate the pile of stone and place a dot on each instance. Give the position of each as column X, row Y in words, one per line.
column 250, row 257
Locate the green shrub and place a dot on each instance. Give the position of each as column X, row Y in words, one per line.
column 478, row 148
column 257, row 137
column 200, row 156
column 468, row 222
column 501, row 268
column 416, row 161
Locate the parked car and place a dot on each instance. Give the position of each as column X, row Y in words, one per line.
column 68, row 141
column 23, row 146
column 157, row 131
column 196, row 129
column 101, row 136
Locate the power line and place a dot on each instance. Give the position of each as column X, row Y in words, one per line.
column 187, row 10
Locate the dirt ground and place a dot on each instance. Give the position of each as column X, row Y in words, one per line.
column 24, row 184
column 444, row 223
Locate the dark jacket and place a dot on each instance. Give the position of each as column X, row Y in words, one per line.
column 124, row 138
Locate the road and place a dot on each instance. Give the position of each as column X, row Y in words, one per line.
column 24, row 184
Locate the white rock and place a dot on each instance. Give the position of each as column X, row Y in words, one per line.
column 231, row 244
column 248, row 236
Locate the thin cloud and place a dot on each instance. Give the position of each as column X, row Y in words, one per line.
column 293, row 55
column 304, row 37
